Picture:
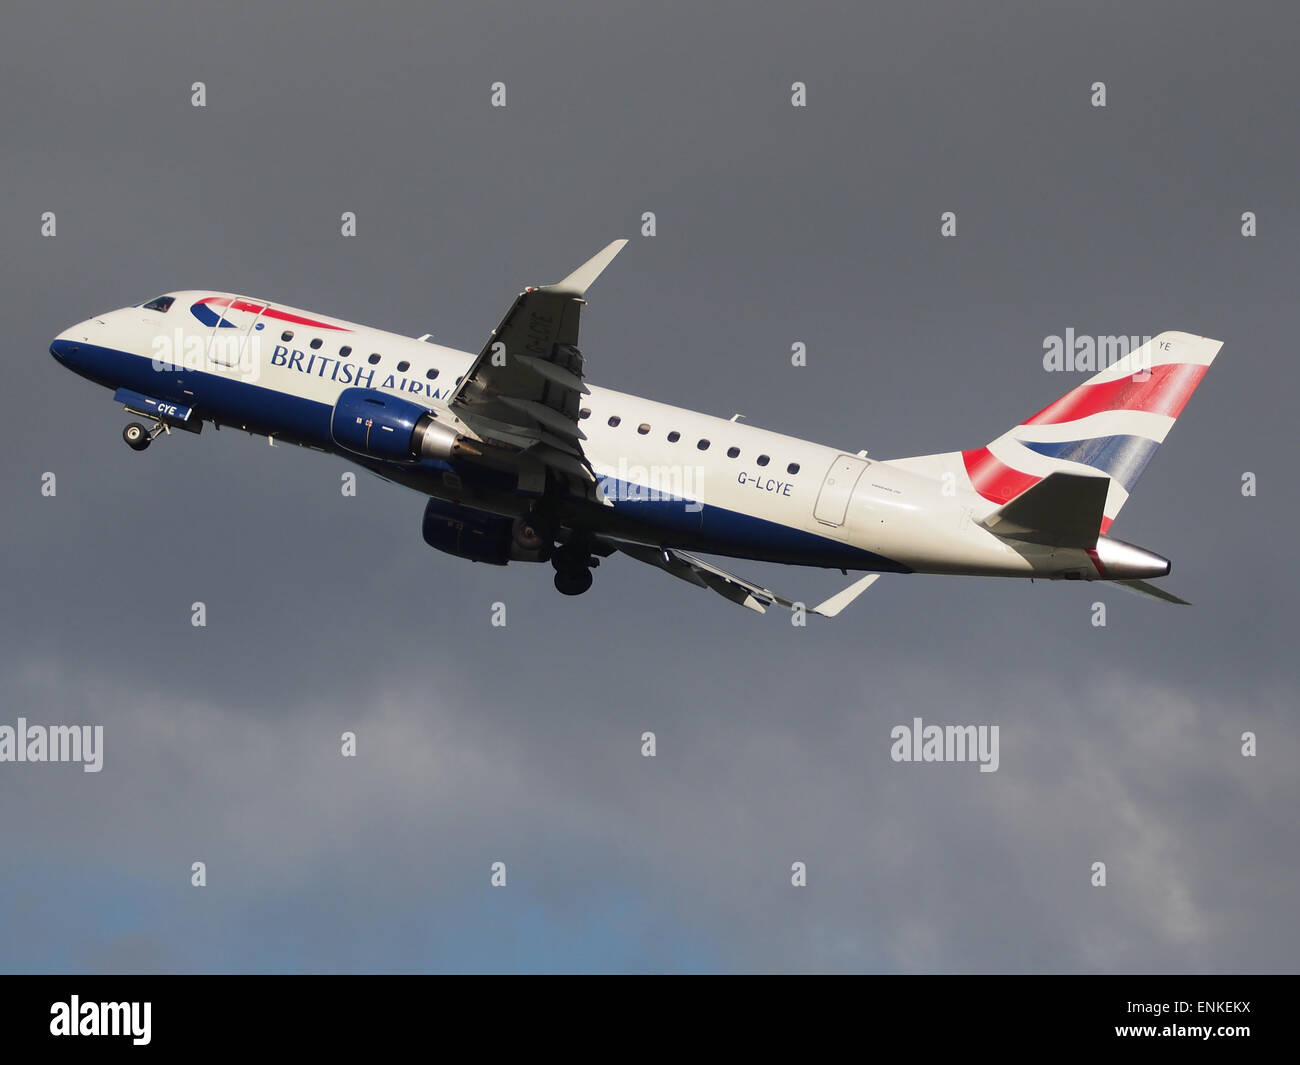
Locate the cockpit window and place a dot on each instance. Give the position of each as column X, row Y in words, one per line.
column 162, row 303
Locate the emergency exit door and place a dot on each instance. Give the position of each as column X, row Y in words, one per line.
column 232, row 333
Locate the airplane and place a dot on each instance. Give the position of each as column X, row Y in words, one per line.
column 523, row 461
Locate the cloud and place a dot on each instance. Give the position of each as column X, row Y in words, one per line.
column 911, row 867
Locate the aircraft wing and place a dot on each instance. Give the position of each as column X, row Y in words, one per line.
column 695, row 570
column 524, row 389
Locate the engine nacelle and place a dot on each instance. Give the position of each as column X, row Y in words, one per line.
column 480, row 536
column 373, row 423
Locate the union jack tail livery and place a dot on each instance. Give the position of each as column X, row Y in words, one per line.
column 1111, row 424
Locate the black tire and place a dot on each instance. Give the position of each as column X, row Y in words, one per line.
column 572, row 581
column 571, row 557
column 136, row 436
column 530, row 537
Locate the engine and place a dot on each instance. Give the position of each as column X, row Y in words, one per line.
column 480, row 536
column 373, row 423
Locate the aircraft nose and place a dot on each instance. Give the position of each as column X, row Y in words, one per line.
column 67, row 346
column 63, row 349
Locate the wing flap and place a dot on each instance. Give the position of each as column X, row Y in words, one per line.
column 554, row 372
column 545, row 416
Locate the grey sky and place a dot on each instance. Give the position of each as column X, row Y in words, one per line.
column 522, row 744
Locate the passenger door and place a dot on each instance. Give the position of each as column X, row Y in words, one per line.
column 837, row 489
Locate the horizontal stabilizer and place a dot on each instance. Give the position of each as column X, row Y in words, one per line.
column 1063, row 510
column 1146, row 588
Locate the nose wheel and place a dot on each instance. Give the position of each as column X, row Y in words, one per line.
column 137, row 437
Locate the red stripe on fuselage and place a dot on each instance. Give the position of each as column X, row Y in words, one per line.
column 270, row 312
column 1165, row 390
column 993, row 479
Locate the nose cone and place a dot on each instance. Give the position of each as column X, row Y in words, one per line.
column 64, row 348
column 69, row 347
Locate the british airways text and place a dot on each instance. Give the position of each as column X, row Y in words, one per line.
column 348, row 373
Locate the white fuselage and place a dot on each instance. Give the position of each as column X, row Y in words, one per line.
column 760, row 494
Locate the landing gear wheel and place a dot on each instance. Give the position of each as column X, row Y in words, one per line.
column 573, row 557
column 136, row 436
column 531, row 539
column 572, row 581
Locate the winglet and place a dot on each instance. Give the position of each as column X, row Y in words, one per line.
column 577, row 283
column 840, row 600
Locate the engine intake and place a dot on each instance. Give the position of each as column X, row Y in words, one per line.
column 369, row 422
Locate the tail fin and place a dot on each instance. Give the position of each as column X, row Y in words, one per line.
column 1111, row 423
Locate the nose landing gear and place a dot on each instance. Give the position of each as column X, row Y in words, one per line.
column 137, row 437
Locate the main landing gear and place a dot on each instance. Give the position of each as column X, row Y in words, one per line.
column 573, row 564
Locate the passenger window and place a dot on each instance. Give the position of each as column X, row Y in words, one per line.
column 432, row 375
column 733, row 452
column 162, row 303
column 643, row 428
column 762, row 460
column 674, row 436
column 792, row 468
column 287, row 335
column 584, row 413
column 316, row 343
column 614, row 419
column 403, row 366
column 374, row 359
column 703, row 445
column 345, row 351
